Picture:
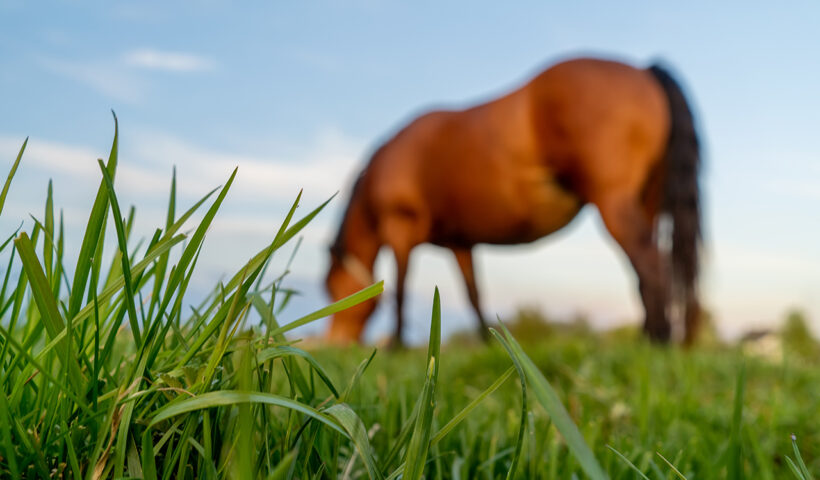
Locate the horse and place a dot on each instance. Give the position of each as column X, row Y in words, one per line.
column 520, row 167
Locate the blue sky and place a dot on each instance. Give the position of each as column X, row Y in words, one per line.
column 296, row 94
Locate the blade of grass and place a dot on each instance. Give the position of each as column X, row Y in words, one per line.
column 126, row 264
column 460, row 416
column 674, row 469
column 288, row 351
column 228, row 397
column 522, row 427
column 804, row 471
column 117, row 284
column 278, row 241
column 358, row 433
column 190, row 251
column 794, row 469
column 13, row 170
column 560, row 417
column 416, row 456
column 149, row 466
column 162, row 263
column 94, row 232
column 343, row 304
column 48, row 232
column 23, row 353
column 265, row 311
column 47, row 306
column 357, row 376
column 8, row 446
column 283, row 471
column 626, row 460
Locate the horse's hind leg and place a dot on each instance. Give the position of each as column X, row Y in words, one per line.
column 626, row 219
column 464, row 257
column 692, row 319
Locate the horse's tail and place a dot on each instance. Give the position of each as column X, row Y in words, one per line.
column 681, row 200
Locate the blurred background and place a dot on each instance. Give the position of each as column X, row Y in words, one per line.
column 298, row 94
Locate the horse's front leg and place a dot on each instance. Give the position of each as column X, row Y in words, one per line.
column 402, row 231
column 464, row 257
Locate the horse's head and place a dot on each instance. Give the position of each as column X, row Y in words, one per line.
column 346, row 276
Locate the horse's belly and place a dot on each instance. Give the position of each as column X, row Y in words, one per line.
column 507, row 213
column 549, row 208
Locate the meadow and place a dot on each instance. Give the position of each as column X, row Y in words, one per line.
column 108, row 371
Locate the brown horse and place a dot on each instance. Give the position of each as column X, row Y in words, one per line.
column 521, row 167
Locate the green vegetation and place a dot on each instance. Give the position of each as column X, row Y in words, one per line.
column 107, row 372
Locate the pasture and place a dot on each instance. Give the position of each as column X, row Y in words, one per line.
column 107, row 372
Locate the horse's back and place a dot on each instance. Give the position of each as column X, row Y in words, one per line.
column 521, row 166
column 472, row 175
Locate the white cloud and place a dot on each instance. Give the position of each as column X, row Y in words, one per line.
column 105, row 77
column 263, row 190
column 320, row 169
column 167, row 61
column 124, row 78
column 146, row 161
column 79, row 163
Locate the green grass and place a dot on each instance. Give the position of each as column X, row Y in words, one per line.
column 108, row 372
column 640, row 400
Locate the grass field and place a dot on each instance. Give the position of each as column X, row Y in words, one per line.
column 640, row 400
column 107, row 372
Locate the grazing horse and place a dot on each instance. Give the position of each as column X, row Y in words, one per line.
column 517, row 168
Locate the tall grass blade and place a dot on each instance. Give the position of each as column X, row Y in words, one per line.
column 673, row 467
column 628, row 462
column 94, row 232
column 288, row 351
column 114, row 287
column 354, row 381
column 47, row 306
column 802, row 471
column 416, row 456
column 460, row 416
column 283, row 469
column 149, row 466
column 126, row 264
column 8, row 447
column 343, row 304
column 48, row 233
column 229, row 397
column 522, row 426
column 10, row 176
column 358, row 433
column 559, row 415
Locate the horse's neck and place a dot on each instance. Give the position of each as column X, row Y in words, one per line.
column 359, row 235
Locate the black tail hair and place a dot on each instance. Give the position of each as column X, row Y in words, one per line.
column 681, row 196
